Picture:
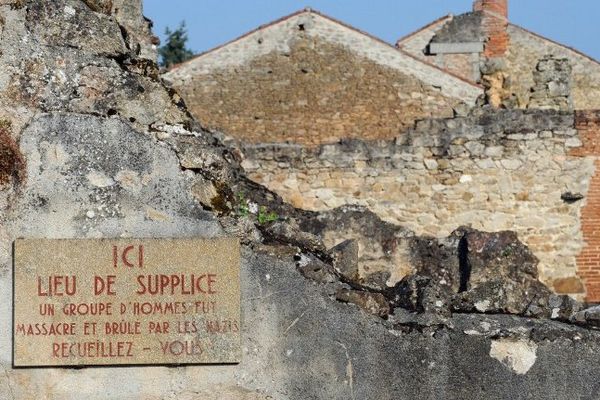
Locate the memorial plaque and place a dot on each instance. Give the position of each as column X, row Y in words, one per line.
column 126, row 301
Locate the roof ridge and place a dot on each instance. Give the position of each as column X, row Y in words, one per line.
column 394, row 47
column 429, row 25
column 305, row 10
column 341, row 23
column 574, row 50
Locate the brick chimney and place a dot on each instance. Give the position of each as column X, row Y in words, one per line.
column 495, row 24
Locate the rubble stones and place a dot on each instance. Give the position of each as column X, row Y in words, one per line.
column 12, row 163
column 345, row 260
column 290, row 233
column 563, row 307
column 374, row 303
column 518, row 155
column 589, row 317
column 315, row 269
column 552, row 89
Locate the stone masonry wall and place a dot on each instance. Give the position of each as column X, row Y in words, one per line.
column 526, row 49
column 503, row 170
column 449, row 29
column 303, row 97
column 552, row 90
column 524, row 52
column 460, row 64
column 310, row 79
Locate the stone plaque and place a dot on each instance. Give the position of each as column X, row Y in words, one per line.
column 126, row 301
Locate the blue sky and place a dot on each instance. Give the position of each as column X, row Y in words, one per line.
column 213, row 22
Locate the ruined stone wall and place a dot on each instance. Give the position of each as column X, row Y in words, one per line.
column 310, row 79
column 303, row 97
column 552, row 90
column 450, row 29
column 417, row 42
column 493, row 171
column 525, row 51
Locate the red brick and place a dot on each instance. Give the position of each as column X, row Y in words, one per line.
column 588, row 262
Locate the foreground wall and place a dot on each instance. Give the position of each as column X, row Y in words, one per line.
column 493, row 170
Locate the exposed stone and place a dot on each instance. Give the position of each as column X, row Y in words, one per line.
column 573, row 142
column 518, row 355
column 473, row 271
column 421, row 294
column 205, row 192
column 430, row 164
column 374, row 303
column 496, row 255
column 552, row 89
column 70, row 24
column 94, row 172
column 12, row 163
column 434, row 201
column 140, row 40
column 563, row 307
column 313, row 268
column 290, row 232
column 498, row 274
column 345, row 260
column 589, row 317
column 382, row 248
column 102, row 6
column 568, row 285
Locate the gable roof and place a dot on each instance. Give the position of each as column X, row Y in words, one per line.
column 439, row 21
column 465, row 27
column 245, row 35
column 448, row 18
column 335, row 31
column 564, row 46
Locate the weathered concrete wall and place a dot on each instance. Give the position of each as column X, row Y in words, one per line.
column 310, row 80
column 493, row 171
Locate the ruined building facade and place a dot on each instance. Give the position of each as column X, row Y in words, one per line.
column 461, row 44
column 310, row 79
column 328, row 115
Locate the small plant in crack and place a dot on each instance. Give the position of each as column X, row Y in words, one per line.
column 242, row 208
column 264, row 216
column 248, row 209
column 506, row 252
